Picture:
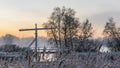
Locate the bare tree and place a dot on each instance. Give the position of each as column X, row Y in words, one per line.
column 85, row 33
column 111, row 32
column 66, row 24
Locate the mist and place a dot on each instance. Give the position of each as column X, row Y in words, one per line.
column 25, row 42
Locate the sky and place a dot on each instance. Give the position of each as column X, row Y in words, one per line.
column 17, row 14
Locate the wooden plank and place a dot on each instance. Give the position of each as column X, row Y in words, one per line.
column 32, row 29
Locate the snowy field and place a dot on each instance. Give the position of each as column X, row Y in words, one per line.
column 75, row 60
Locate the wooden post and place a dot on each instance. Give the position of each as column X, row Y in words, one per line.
column 36, row 35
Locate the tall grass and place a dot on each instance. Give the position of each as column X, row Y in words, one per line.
column 73, row 60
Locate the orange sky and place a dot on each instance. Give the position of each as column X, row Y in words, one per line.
column 16, row 32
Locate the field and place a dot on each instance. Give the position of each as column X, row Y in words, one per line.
column 74, row 60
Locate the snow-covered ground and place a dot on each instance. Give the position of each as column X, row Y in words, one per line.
column 74, row 60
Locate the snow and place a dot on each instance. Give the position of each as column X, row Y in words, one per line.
column 104, row 49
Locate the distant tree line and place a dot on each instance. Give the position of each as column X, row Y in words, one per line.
column 12, row 48
column 9, row 46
